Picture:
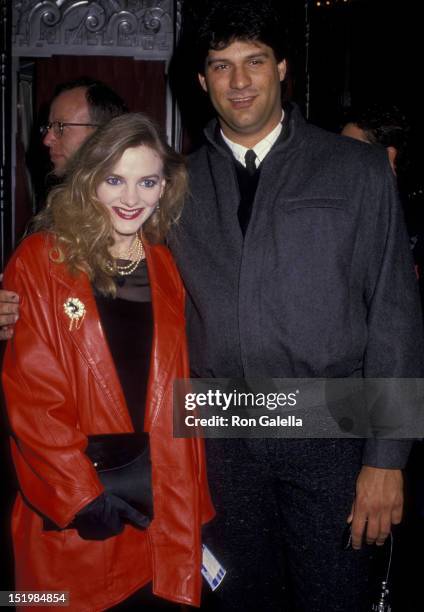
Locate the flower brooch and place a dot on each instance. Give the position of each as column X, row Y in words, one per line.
column 75, row 310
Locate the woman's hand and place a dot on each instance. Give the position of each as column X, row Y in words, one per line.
column 106, row 517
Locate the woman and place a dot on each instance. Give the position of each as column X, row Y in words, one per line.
column 96, row 350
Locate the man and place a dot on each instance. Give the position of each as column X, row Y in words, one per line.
column 296, row 263
column 384, row 125
column 77, row 108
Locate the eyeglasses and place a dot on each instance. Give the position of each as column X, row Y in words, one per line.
column 58, row 126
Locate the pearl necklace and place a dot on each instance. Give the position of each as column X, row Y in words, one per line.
column 135, row 253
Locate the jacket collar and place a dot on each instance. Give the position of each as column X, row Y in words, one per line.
column 169, row 326
column 87, row 334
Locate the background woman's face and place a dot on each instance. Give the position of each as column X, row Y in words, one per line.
column 132, row 190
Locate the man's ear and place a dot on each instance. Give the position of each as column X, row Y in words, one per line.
column 392, row 154
column 202, row 81
column 282, row 69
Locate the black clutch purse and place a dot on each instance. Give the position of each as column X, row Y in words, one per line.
column 123, row 464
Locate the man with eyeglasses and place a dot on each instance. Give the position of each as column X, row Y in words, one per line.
column 77, row 109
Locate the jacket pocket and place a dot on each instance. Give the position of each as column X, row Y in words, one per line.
column 296, row 204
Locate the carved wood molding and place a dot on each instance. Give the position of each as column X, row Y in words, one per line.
column 143, row 29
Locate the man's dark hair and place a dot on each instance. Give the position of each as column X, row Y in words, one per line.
column 104, row 103
column 221, row 22
column 386, row 125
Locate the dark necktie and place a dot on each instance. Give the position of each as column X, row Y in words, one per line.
column 249, row 158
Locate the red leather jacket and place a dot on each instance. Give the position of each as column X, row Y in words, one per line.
column 61, row 385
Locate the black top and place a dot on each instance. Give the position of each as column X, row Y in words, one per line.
column 127, row 321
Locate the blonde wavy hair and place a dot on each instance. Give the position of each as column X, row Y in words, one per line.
column 80, row 222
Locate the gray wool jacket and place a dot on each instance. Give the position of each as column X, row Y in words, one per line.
column 323, row 283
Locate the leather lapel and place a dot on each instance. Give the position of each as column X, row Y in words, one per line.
column 88, row 337
column 169, row 326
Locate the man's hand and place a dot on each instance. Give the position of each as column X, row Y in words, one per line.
column 9, row 312
column 378, row 504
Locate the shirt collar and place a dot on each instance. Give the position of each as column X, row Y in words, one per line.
column 261, row 148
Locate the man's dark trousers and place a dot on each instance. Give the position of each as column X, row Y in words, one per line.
column 280, row 526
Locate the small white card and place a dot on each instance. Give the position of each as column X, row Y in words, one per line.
column 212, row 570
